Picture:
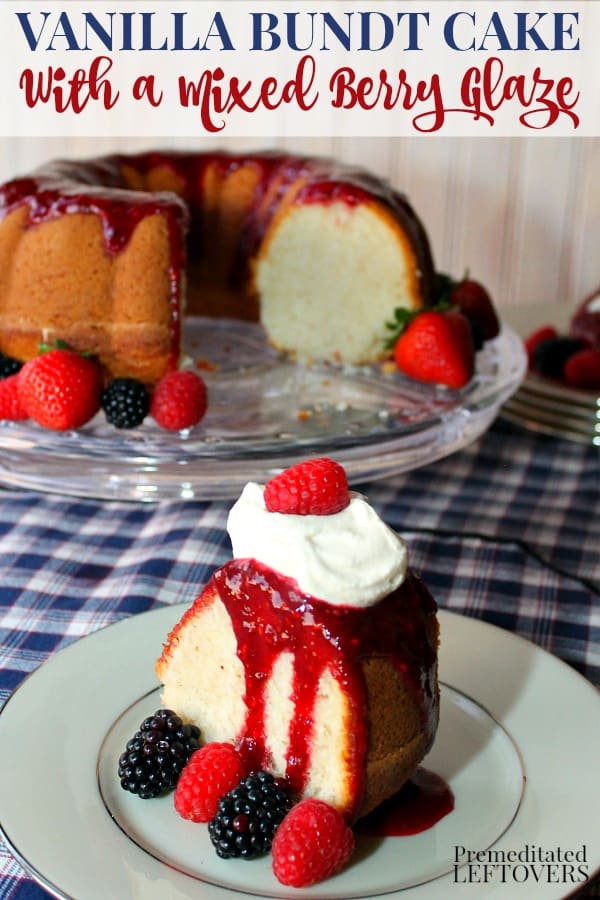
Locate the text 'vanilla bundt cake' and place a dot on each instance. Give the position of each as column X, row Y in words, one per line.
column 314, row 650
column 108, row 255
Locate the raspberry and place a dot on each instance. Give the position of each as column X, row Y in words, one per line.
column 179, row 400
column 10, row 405
column 583, row 369
column 316, row 487
column 211, row 772
column 155, row 756
column 9, row 366
column 248, row 816
column 125, row 402
column 60, row 389
column 312, row 843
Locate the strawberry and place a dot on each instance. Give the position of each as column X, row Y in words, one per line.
column 60, row 389
column 317, row 487
column 537, row 337
column 474, row 302
column 437, row 347
column 10, row 405
column 179, row 400
column 312, row 843
column 582, row 369
column 211, row 772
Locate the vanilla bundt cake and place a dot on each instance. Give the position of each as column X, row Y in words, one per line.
column 338, row 695
column 108, row 255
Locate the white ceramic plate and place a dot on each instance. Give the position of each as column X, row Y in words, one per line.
column 518, row 744
column 265, row 413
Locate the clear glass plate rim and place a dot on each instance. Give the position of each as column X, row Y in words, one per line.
column 484, row 391
column 148, row 464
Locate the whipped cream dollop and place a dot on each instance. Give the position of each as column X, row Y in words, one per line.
column 350, row 558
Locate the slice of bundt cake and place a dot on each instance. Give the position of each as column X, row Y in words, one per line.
column 320, row 660
column 108, row 255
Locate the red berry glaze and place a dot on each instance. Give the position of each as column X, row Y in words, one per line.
column 60, row 389
column 10, row 406
column 582, row 369
column 211, row 772
column 312, row 843
column 316, row 487
column 437, row 347
column 179, row 400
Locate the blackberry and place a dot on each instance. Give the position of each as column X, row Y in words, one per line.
column 247, row 817
column 550, row 356
column 9, row 366
column 156, row 755
column 125, row 402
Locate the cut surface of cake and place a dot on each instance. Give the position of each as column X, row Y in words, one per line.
column 109, row 255
column 314, row 651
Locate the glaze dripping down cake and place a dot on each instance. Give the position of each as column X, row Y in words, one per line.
column 108, row 255
column 338, row 695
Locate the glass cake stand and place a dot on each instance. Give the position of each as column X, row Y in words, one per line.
column 265, row 413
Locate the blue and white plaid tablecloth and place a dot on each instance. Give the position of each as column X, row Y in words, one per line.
column 507, row 530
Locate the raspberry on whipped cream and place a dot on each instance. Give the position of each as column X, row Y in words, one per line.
column 350, row 558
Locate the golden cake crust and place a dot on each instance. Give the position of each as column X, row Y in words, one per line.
column 108, row 255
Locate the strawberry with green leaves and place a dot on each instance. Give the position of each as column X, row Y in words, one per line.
column 60, row 389
column 434, row 346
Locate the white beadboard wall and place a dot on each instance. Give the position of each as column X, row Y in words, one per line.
column 522, row 214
